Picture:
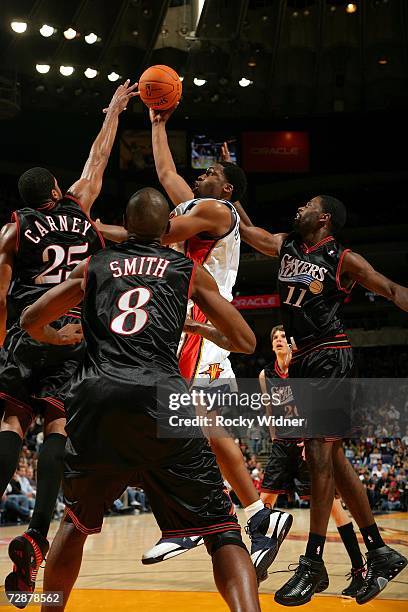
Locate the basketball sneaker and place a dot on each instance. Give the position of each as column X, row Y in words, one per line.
column 166, row 548
column 27, row 552
column 267, row 529
column 383, row 565
column 310, row 577
column 356, row 576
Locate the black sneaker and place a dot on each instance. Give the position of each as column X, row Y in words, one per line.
column 383, row 564
column 27, row 552
column 356, row 576
column 310, row 577
column 267, row 529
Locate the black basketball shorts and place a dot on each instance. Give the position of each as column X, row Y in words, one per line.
column 322, row 388
column 186, row 492
column 286, row 470
column 33, row 375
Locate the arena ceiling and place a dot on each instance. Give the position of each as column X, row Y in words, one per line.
column 302, row 57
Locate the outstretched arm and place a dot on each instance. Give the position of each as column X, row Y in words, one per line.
column 231, row 331
column 51, row 306
column 8, row 242
column 88, row 187
column 357, row 268
column 176, row 187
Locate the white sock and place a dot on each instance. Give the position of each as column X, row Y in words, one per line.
column 254, row 508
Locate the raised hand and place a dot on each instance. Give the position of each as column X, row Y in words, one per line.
column 158, row 116
column 225, row 154
column 121, row 97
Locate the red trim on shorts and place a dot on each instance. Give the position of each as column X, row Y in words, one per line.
column 54, row 402
column 275, row 491
column 78, row 525
column 190, row 354
column 15, row 401
column 71, row 197
column 193, row 273
column 15, row 219
column 338, row 272
column 201, row 531
column 316, row 246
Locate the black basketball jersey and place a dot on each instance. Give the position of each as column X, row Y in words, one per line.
column 51, row 241
column 282, row 401
column 134, row 310
column 310, row 289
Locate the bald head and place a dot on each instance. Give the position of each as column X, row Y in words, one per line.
column 147, row 215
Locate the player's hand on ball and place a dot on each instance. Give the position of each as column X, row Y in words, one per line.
column 121, row 97
column 71, row 334
column 157, row 116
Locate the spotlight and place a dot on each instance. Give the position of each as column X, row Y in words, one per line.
column 181, row 78
column 47, row 30
column 264, row 18
column 383, row 61
column 351, row 8
column 164, row 32
column 332, row 8
column 19, row 27
column 252, row 62
column 199, row 82
column 244, row 82
column 70, row 33
column 295, row 14
column 113, row 76
column 66, row 70
column 306, row 12
column 135, row 33
column 42, row 68
column 91, row 38
column 90, row 73
column 40, row 88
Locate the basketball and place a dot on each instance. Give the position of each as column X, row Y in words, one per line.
column 160, row 87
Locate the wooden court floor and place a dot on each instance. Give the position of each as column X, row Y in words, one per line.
column 112, row 577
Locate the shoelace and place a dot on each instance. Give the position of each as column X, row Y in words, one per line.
column 355, row 572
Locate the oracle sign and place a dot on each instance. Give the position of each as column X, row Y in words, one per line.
column 252, row 302
column 275, row 151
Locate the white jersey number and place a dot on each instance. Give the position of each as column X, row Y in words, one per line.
column 131, row 314
column 58, row 255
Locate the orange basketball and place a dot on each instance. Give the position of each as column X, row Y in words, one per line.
column 160, row 87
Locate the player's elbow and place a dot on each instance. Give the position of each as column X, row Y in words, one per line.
column 246, row 343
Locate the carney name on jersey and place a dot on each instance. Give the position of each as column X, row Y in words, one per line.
column 51, row 241
column 310, row 291
column 198, row 357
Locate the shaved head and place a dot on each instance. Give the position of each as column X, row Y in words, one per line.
column 147, row 215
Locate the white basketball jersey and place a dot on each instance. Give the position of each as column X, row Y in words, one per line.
column 201, row 360
column 219, row 255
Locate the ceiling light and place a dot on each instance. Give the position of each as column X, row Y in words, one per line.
column 18, row 26
column 333, row 8
column 113, row 76
column 66, row 70
column 90, row 73
column 244, row 82
column 383, row 61
column 351, row 8
column 199, row 82
column 91, row 38
column 40, row 88
column 70, row 33
column 42, row 68
column 47, row 30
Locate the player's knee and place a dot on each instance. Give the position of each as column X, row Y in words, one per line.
column 215, row 542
